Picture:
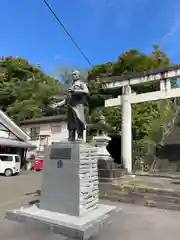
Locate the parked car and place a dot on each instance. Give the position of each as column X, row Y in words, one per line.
column 10, row 164
column 38, row 164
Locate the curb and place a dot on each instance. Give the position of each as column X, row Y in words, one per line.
column 162, row 199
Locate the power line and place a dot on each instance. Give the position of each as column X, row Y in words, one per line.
column 66, row 31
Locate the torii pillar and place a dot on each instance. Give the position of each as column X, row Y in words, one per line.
column 126, row 129
column 162, row 76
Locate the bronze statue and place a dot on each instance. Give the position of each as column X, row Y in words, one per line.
column 75, row 101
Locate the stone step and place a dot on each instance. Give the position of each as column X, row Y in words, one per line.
column 158, row 198
column 164, row 199
column 115, row 188
column 163, row 205
column 110, row 173
column 108, row 180
column 145, row 196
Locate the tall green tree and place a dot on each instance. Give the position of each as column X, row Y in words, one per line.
column 25, row 90
column 129, row 62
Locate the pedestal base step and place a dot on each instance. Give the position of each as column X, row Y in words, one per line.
column 108, row 175
column 82, row 227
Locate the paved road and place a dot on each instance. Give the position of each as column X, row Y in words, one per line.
column 131, row 223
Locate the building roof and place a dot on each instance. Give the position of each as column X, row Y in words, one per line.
column 15, row 129
column 46, row 119
column 60, row 118
column 14, row 143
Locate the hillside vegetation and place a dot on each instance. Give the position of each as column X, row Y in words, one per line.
column 150, row 119
column 27, row 92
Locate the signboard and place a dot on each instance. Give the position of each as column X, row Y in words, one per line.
column 60, row 153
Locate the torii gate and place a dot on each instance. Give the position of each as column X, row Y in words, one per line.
column 164, row 76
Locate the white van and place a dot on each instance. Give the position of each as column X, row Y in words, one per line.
column 10, row 164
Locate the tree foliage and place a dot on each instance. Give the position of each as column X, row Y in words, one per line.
column 144, row 114
column 25, row 91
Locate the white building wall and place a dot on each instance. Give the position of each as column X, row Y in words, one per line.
column 46, row 129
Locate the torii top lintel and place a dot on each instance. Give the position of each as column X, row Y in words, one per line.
column 139, row 78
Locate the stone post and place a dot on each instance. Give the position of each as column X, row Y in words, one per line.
column 101, row 141
column 126, row 143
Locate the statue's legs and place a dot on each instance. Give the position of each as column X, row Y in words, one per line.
column 72, row 135
column 80, row 130
column 75, row 124
column 71, row 124
column 80, row 133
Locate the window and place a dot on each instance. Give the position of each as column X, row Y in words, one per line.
column 5, row 158
column 17, row 159
column 34, row 133
column 55, row 129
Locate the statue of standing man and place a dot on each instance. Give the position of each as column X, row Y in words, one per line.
column 75, row 101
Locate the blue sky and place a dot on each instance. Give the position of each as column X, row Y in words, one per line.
column 103, row 29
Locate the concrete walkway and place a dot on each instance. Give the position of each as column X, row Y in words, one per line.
column 131, row 223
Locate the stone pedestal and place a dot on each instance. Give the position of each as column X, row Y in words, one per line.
column 69, row 203
column 108, row 171
column 70, row 182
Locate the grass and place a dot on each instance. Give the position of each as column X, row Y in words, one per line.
column 140, row 185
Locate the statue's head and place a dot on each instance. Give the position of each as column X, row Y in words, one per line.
column 75, row 75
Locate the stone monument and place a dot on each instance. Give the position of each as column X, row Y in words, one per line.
column 69, row 202
column 108, row 170
column 101, row 141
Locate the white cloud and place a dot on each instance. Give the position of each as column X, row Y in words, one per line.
column 170, row 39
column 173, row 31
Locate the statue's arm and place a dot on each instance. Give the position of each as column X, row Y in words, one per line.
column 59, row 104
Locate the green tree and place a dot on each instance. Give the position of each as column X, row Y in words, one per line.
column 25, row 90
column 144, row 114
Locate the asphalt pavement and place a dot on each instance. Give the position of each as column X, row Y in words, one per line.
column 130, row 223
